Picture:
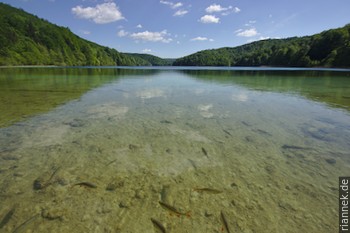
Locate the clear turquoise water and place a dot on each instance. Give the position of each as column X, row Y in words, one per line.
column 263, row 147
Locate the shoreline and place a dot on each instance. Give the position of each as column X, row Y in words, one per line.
column 31, row 66
column 228, row 68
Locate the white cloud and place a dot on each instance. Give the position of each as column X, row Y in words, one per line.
column 102, row 13
column 200, row 38
column 139, row 26
column 217, row 8
column 166, row 3
column 171, row 4
column 146, row 50
column 247, row 33
column 177, row 5
column 209, row 19
column 152, row 36
column 180, row 13
column 122, row 33
column 236, row 10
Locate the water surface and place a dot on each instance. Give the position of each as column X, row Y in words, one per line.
column 99, row 150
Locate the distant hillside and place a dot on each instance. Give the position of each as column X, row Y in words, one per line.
column 28, row 40
column 327, row 49
column 153, row 60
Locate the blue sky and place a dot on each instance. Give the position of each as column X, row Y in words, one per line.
column 175, row 28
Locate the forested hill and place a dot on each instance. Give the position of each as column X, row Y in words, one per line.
column 327, row 49
column 28, row 40
column 153, row 60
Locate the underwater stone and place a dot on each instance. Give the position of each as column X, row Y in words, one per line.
column 52, row 214
column 140, row 194
column 38, row 184
column 114, row 185
column 44, row 180
column 270, row 169
column 331, row 161
column 133, row 147
column 76, row 123
column 62, row 181
column 124, row 204
column 208, row 213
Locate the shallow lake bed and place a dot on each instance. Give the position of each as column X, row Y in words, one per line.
column 264, row 149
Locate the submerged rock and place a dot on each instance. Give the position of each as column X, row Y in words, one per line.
column 52, row 214
column 133, row 147
column 331, row 161
column 124, row 204
column 76, row 123
column 114, row 185
column 46, row 179
column 40, row 183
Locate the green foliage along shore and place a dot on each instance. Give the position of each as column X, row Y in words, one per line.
column 153, row 60
column 327, row 49
column 28, row 40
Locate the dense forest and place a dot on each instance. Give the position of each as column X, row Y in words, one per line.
column 153, row 60
column 327, row 49
column 28, row 40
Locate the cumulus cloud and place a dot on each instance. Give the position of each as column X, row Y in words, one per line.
column 217, row 8
column 209, row 19
column 139, row 26
column 180, row 13
column 146, row 50
column 200, row 38
column 122, row 33
column 171, row 4
column 176, row 5
column 152, row 36
column 101, row 14
column 247, row 33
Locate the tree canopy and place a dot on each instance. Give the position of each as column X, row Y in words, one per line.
column 327, row 49
column 26, row 39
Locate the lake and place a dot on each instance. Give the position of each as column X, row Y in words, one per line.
column 166, row 149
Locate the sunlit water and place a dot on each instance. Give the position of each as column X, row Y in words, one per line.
column 102, row 150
